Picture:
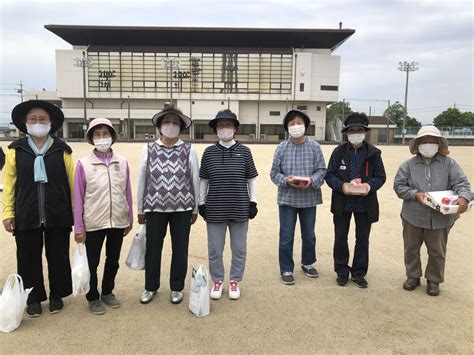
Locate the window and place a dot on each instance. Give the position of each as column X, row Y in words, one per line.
column 241, row 73
column 318, row 108
column 329, row 88
column 302, row 107
column 274, row 113
column 301, row 87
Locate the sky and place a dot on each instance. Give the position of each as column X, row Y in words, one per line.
column 437, row 34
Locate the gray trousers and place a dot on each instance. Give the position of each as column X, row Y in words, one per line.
column 435, row 241
column 238, row 243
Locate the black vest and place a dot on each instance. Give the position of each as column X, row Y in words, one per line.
column 338, row 200
column 48, row 204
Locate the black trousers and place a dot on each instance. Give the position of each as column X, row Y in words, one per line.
column 156, row 226
column 29, row 255
column 360, row 261
column 113, row 245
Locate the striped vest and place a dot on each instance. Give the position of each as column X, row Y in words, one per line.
column 168, row 182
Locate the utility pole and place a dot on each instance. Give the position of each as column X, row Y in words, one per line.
column 83, row 62
column 128, row 120
column 406, row 67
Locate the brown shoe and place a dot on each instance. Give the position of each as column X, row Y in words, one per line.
column 432, row 288
column 410, row 284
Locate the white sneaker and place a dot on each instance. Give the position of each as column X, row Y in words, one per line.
column 216, row 292
column 234, row 291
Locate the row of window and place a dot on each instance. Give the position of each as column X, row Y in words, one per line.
column 190, row 72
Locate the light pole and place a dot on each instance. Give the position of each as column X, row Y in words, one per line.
column 170, row 63
column 83, row 62
column 407, row 67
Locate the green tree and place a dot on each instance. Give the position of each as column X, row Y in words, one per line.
column 395, row 113
column 336, row 110
column 451, row 117
column 467, row 118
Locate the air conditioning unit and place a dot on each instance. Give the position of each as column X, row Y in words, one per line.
column 263, row 136
column 252, row 136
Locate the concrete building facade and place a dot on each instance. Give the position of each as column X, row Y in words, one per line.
column 127, row 74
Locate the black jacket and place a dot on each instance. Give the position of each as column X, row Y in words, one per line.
column 36, row 204
column 369, row 173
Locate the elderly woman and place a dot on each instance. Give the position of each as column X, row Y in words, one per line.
column 37, row 202
column 298, row 170
column 168, row 185
column 227, row 200
column 355, row 159
column 102, row 209
column 429, row 170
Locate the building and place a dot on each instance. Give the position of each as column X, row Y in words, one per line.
column 381, row 127
column 127, row 74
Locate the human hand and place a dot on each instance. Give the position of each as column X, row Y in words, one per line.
column 367, row 186
column 9, row 224
column 194, row 218
column 463, row 204
column 290, row 182
column 127, row 230
column 141, row 218
column 420, row 196
column 80, row 237
column 345, row 188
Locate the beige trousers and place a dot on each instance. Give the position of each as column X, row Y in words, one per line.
column 435, row 241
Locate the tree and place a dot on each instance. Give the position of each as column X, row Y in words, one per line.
column 451, row 117
column 467, row 118
column 336, row 110
column 395, row 113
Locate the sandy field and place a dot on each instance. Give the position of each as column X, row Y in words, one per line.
column 312, row 316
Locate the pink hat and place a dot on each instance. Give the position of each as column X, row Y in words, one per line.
column 97, row 122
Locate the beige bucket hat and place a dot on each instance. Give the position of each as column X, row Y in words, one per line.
column 433, row 132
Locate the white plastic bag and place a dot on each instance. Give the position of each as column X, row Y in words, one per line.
column 199, row 302
column 136, row 255
column 80, row 273
column 12, row 303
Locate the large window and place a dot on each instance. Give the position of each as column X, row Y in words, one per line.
column 190, row 72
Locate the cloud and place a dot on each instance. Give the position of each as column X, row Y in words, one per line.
column 437, row 34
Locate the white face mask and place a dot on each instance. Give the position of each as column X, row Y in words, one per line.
column 38, row 130
column 356, row 138
column 225, row 134
column 170, row 130
column 103, row 145
column 428, row 150
column 296, row 131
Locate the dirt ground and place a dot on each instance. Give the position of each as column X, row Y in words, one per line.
column 312, row 316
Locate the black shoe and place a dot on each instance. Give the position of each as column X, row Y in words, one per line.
column 432, row 288
column 411, row 283
column 310, row 270
column 360, row 281
column 34, row 310
column 287, row 278
column 55, row 305
column 342, row 279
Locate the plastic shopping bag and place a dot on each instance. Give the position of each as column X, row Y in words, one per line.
column 136, row 255
column 199, row 294
column 80, row 271
column 12, row 303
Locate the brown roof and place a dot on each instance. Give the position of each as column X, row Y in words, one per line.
column 124, row 36
column 377, row 120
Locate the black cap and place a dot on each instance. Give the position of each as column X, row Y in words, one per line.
column 356, row 119
column 21, row 110
column 224, row 115
column 292, row 114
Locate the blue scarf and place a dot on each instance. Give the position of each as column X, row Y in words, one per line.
column 40, row 169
